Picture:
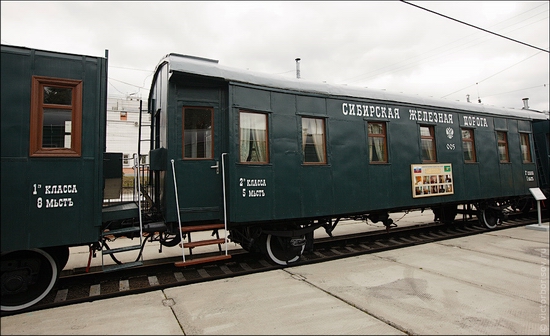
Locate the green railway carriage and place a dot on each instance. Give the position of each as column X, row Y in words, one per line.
column 296, row 153
column 267, row 159
column 53, row 138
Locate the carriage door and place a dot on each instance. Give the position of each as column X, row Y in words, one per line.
column 200, row 175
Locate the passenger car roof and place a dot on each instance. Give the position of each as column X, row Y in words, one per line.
column 211, row 68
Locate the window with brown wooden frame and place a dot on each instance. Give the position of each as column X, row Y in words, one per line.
column 525, row 147
column 253, row 138
column 378, row 152
column 468, row 145
column 502, row 143
column 56, row 117
column 427, row 142
column 313, row 141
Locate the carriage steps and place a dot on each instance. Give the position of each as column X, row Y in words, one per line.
column 192, row 244
column 128, row 231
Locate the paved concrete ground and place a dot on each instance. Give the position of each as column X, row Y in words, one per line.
column 494, row 283
column 471, row 285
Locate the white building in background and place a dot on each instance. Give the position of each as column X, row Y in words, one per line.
column 123, row 129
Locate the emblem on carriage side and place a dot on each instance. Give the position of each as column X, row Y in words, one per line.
column 449, row 132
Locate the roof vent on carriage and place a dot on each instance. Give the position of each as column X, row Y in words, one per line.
column 525, row 103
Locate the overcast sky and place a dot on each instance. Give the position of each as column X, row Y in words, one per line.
column 387, row 45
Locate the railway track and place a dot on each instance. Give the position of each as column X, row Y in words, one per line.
column 160, row 274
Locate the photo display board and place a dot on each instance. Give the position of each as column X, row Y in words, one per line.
column 432, row 180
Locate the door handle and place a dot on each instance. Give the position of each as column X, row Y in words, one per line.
column 217, row 167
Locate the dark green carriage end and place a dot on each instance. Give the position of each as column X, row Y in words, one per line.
column 53, row 139
column 541, row 134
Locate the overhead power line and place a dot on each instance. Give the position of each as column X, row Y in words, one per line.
column 525, row 59
column 411, row 62
column 529, row 88
column 476, row 27
column 137, row 86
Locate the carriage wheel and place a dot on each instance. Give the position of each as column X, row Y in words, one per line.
column 60, row 255
column 284, row 250
column 489, row 217
column 27, row 277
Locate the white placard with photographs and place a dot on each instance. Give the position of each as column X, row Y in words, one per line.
column 432, row 180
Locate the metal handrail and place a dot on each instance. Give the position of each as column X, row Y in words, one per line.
column 178, row 207
column 224, row 201
column 137, row 188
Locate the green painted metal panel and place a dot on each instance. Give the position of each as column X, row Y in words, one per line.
column 506, row 179
column 61, row 202
column 286, row 153
column 530, row 178
column 541, row 130
column 254, row 195
column 500, row 124
column 403, row 144
column 317, row 191
column 315, row 106
column 199, row 189
column 488, row 163
column 50, row 201
column 524, row 125
column 250, row 98
column 15, row 102
column 468, row 183
column 349, row 162
column 379, row 192
column 15, row 223
column 516, row 179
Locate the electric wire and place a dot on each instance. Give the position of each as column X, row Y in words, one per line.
column 492, row 75
column 529, row 88
column 433, row 56
column 485, row 30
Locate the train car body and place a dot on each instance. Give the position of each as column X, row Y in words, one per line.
column 266, row 158
column 293, row 150
column 53, row 138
